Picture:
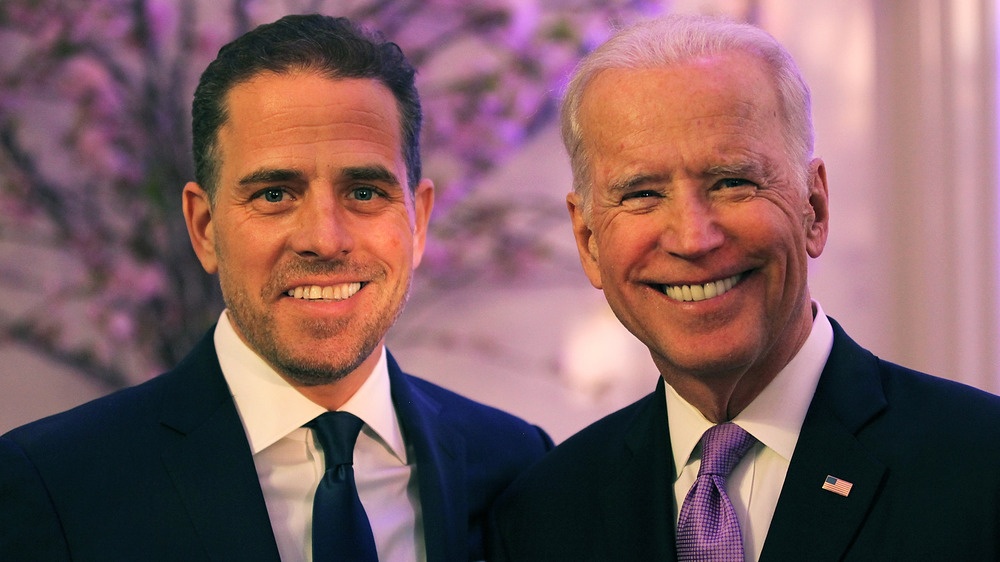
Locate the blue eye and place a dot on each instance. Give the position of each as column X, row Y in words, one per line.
column 364, row 194
column 273, row 195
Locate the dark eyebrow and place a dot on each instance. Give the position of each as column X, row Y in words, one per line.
column 270, row 176
column 375, row 172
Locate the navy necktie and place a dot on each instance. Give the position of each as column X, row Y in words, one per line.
column 707, row 528
column 340, row 528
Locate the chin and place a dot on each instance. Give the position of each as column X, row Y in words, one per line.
column 706, row 360
column 305, row 369
column 316, row 376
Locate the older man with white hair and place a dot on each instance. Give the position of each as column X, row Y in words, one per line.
column 771, row 435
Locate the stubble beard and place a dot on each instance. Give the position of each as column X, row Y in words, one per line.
column 256, row 326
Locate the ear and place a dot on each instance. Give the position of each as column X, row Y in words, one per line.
column 198, row 216
column 423, row 204
column 586, row 243
column 818, row 213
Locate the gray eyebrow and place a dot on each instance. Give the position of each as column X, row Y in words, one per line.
column 631, row 182
column 749, row 168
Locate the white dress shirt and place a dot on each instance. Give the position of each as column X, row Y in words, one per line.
column 774, row 418
column 290, row 465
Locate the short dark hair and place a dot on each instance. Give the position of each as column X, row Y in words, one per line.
column 334, row 47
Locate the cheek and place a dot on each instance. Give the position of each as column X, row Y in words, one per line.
column 765, row 226
column 244, row 248
column 627, row 244
column 395, row 243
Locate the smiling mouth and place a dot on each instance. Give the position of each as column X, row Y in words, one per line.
column 339, row 292
column 694, row 293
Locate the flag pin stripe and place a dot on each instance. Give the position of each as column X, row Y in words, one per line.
column 837, row 485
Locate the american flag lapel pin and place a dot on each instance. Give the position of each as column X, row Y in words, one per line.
column 837, row 485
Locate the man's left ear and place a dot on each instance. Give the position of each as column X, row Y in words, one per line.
column 817, row 222
column 423, row 204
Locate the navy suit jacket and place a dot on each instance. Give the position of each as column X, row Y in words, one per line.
column 923, row 455
column 163, row 471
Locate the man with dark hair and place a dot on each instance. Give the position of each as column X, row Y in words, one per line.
column 288, row 432
column 771, row 435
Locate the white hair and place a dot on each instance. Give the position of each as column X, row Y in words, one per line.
column 674, row 40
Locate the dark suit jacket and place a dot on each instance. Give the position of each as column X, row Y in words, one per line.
column 163, row 471
column 923, row 455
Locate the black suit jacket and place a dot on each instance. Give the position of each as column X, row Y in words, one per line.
column 923, row 455
column 163, row 471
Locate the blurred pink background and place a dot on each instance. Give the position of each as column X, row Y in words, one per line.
column 99, row 289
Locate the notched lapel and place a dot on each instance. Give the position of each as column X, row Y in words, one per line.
column 816, row 524
column 440, row 455
column 637, row 503
column 810, row 522
column 209, row 460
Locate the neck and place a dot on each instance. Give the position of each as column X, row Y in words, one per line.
column 335, row 394
column 720, row 394
column 720, row 398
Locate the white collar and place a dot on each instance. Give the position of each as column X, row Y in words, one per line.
column 270, row 408
column 775, row 416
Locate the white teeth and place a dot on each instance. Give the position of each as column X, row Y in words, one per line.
column 694, row 293
column 329, row 293
column 710, row 290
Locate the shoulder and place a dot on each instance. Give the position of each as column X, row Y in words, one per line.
column 122, row 417
column 851, row 369
column 607, row 437
column 485, row 424
column 940, row 406
column 912, row 412
column 98, row 418
column 426, row 403
column 51, row 468
column 557, row 509
column 593, row 454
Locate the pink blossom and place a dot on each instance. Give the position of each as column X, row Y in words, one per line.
column 485, row 70
column 161, row 18
column 121, row 327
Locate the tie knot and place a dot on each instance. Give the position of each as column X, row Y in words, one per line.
column 722, row 447
column 337, row 432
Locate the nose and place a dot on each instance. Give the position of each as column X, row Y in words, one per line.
column 322, row 228
column 693, row 227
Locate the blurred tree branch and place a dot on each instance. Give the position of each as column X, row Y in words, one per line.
column 95, row 148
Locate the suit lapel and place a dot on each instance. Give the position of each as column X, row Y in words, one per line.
column 807, row 518
column 641, row 496
column 208, row 458
column 440, row 454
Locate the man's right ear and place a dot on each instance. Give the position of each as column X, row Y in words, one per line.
column 198, row 216
column 586, row 244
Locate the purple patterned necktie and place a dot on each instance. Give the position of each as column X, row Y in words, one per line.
column 707, row 528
